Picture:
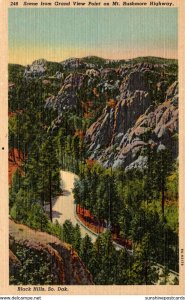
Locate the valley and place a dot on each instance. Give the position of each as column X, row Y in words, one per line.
column 93, row 146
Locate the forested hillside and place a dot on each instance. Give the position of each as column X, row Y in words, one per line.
column 114, row 123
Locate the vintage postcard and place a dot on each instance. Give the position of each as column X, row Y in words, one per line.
column 92, row 147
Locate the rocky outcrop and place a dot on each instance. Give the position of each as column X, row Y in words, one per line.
column 36, row 69
column 72, row 64
column 14, row 263
column 63, row 263
column 67, row 97
column 15, row 160
column 122, row 101
column 117, row 137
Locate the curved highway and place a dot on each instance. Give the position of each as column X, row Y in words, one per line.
column 64, row 209
column 63, row 206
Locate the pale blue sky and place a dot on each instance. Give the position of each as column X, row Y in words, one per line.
column 56, row 34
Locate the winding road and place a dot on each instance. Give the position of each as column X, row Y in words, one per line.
column 64, row 207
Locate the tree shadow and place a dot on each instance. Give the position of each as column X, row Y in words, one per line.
column 54, row 200
column 56, row 214
column 66, row 193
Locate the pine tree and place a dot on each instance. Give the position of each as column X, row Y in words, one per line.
column 68, row 232
column 143, row 270
column 86, row 251
column 77, row 238
column 15, row 186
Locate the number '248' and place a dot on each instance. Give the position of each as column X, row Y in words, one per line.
column 14, row 4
